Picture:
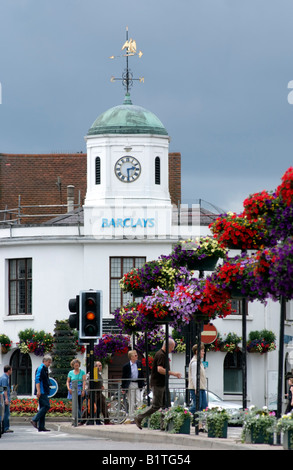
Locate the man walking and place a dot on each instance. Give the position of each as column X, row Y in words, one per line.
column 42, row 391
column 158, row 382
column 132, row 381
column 4, row 382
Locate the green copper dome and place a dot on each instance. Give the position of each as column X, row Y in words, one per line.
column 127, row 119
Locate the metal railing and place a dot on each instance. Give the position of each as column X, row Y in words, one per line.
column 17, row 215
column 110, row 403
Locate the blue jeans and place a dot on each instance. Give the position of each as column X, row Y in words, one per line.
column 44, row 404
column 6, row 417
column 203, row 403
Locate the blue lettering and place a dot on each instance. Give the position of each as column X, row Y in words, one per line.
column 119, row 223
column 139, row 223
column 151, row 222
column 128, row 222
column 104, row 223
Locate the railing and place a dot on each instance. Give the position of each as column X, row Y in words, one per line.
column 16, row 215
column 109, row 404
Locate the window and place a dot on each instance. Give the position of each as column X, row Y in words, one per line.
column 157, row 170
column 20, row 286
column 233, row 373
column 21, row 377
column 98, row 170
column 237, row 307
column 119, row 267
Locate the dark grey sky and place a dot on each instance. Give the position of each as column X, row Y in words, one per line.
column 216, row 74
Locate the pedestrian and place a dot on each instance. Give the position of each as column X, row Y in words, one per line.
column 77, row 374
column 192, row 379
column 192, row 382
column 133, row 382
column 4, row 382
column 158, row 381
column 289, row 407
column 98, row 386
column 42, row 391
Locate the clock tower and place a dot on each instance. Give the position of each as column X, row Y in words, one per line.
column 127, row 172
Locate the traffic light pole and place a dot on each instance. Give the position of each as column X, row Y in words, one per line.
column 90, row 354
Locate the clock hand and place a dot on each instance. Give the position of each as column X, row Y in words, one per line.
column 128, row 170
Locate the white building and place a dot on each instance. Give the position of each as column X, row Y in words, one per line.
column 127, row 219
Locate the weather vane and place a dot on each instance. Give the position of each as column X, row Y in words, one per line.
column 130, row 50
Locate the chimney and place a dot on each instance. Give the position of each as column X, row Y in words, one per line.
column 70, row 198
column 175, row 177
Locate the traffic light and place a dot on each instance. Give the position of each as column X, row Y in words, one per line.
column 73, row 306
column 90, row 317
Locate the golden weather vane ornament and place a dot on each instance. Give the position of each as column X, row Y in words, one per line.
column 130, row 50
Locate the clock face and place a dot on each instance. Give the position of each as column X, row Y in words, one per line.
column 127, row 169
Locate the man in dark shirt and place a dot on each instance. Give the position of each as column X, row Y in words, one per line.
column 158, row 382
column 42, row 391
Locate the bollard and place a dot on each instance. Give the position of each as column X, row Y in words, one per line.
column 74, row 385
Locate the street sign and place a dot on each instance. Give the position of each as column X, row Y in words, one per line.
column 209, row 334
column 53, row 387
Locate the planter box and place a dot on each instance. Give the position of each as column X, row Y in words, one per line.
column 261, row 437
column 185, row 428
column 222, row 433
column 288, row 440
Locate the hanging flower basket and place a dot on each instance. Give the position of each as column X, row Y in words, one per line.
column 111, row 344
column 280, row 272
column 259, row 205
column 200, row 254
column 238, row 276
column 131, row 320
column 174, row 307
column 261, row 342
column 238, row 231
column 215, row 302
column 231, row 343
column 155, row 339
column 132, row 282
column 158, row 273
column 5, row 344
column 155, row 309
column 36, row 342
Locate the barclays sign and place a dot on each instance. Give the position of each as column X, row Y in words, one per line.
column 128, row 222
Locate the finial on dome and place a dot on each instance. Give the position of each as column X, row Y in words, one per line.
column 127, row 76
column 127, row 99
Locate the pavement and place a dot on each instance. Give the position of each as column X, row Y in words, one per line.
column 130, row 433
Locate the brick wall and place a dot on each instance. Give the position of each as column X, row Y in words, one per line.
column 40, row 180
column 43, row 180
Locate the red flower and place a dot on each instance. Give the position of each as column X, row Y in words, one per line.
column 285, row 189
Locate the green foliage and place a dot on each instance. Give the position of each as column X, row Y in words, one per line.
column 64, row 350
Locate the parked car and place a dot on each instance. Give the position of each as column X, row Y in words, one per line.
column 233, row 409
